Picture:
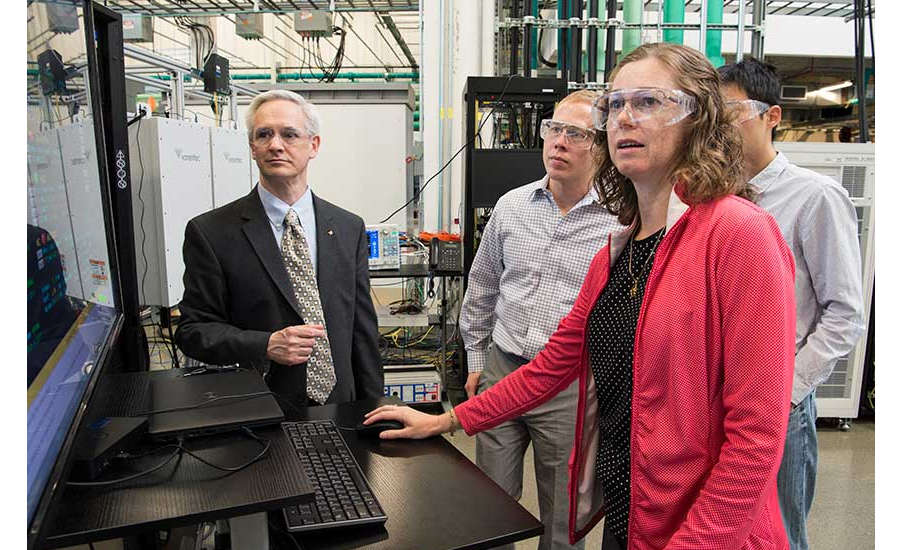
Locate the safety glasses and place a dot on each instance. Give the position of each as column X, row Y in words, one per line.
column 746, row 109
column 574, row 135
column 652, row 107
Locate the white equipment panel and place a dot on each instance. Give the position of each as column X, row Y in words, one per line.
column 48, row 206
column 361, row 165
column 79, row 161
column 230, row 154
column 413, row 387
column 171, row 182
column 853, row 166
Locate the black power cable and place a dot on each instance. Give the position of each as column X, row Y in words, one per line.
column 205, row 403
column 456, row 154
column 137, row 139
column 179, row 451
column 170, row 458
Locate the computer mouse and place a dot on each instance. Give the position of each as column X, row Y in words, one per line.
column 376, row 428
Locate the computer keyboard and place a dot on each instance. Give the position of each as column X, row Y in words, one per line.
column 343, row 496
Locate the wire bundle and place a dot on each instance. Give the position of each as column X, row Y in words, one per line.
column 312, row 53
column 203, row 35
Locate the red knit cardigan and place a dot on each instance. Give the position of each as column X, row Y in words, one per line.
column 712, row 372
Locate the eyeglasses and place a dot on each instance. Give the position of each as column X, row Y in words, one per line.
column 574, row 135
column 746, row 109
column 652, row 106
column 288, row 136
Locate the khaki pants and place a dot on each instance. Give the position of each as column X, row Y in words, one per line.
column 550, row 428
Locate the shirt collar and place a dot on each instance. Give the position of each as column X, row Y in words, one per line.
column 276, row 209
column 770, row 173
column 541, row 188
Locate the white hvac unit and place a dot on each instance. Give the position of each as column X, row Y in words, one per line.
column 82, row 177
column 853, row 166
column 230, row 155
column 171, row 182
column 48, row 207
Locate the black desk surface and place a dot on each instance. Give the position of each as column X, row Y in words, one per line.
column 433, row 496
column 185, row 491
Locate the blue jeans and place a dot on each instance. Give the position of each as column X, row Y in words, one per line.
column 797, row 475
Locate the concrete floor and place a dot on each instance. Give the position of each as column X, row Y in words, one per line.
column 843, row 513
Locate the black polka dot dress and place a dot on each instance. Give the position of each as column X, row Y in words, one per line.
column 610, row 338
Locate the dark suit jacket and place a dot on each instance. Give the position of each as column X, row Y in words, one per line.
column 237, row 292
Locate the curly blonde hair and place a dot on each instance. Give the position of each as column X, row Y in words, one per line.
column 709, row 166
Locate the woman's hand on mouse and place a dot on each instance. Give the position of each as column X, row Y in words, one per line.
column 417, row 425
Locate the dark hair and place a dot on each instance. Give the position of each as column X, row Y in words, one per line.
column 708, row 165
column 757, row 79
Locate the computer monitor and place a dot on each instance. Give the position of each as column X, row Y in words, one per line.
column 74, row 303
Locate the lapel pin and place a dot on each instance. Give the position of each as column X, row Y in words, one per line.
column 330, row 232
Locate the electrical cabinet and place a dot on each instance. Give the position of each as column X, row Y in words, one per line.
column 171, row 182
column 137, row 28
column 229, row 153
column 82, row 177
column 249, row 25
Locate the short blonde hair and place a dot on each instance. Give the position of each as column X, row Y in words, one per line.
column 579, row 96
column 311, row 126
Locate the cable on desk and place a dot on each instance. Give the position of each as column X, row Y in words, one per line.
column 267, row 444
column 175, row 453
column 179, row 450
column 205, row 403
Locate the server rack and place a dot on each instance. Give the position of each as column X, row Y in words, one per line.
column 503, row 150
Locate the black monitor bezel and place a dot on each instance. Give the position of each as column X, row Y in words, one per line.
column 52, row 492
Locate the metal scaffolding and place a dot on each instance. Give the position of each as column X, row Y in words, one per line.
column 174, row 85
column 173, row 8
column 571, row 22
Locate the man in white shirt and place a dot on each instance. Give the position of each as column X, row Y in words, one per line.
column 819, row 223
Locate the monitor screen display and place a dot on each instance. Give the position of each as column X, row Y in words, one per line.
column 71, row 309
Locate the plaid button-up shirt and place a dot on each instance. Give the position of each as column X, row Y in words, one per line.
column 528, row 270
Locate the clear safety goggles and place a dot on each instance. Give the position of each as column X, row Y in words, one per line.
column 574, row 135
column 746, row 109
column 652, row 107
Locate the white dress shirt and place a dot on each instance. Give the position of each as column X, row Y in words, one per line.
column 819, row 223
column 276, row 209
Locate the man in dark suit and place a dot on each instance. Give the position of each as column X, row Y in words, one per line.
column 278, row 280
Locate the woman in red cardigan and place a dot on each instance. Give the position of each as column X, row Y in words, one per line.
column 682, row 337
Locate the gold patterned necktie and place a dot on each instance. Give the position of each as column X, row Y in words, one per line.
column 320, row 378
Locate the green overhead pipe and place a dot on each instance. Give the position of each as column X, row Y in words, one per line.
column 673, row 12
column 32, row 72
column 714, row 38
column 251, row 76
column 187, row 77
column 631, row 38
